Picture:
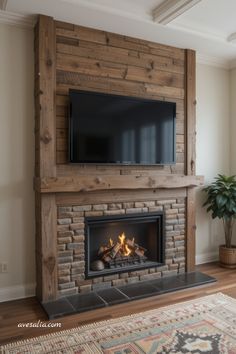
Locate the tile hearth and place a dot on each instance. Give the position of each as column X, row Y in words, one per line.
column 117, row 295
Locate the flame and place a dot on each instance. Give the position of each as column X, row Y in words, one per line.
column 122, row 238
column 125, row 247
column 127, row 250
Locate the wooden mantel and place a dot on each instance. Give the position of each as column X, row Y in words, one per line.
column 93, row 183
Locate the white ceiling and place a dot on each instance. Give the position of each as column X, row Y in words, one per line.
column 205, row 27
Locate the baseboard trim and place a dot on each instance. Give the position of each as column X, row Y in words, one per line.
column 17, row 292
column 207, row 257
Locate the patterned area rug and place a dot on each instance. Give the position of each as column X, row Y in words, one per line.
column 206, row 325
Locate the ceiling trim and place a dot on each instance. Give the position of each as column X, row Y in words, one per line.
column 168, row 10
column 110, row 10
column 204, row 34
column 13, row 19
column 213, row 61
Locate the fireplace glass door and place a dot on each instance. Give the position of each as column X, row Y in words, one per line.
column 123, row 243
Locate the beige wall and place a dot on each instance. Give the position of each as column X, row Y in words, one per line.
column 213, row 150
column 16, row 160
column 17, row 156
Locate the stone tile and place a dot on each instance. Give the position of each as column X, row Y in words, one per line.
column 138, row 291
column 85, row 302
column 196, row 278
column 112, row 296
column 58, row 308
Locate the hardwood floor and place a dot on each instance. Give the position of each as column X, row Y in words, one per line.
column 29, row 310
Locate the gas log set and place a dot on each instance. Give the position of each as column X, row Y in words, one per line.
column 123, row 252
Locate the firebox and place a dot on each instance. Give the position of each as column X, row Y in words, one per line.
column 123, row 243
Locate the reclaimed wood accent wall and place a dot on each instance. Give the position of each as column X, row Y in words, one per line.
column 93, row 60
column 70, row 56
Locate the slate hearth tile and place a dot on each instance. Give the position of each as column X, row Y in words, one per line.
column 86, row 302
column 167, row 284
column 112, row 296
column 195, row 278
column 58, row 308
column 139, row 290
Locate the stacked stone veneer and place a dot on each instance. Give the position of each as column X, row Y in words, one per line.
column 71, row 250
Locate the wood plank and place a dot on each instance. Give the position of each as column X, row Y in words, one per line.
column 90, row 66
column 88, row 183
column 46, row 103
column 178, row 169
column 190, row 155
column 190, row 112
column 45, row 161
column 155, row 76
column 47, row 254
column 62, row 157
column 87, row 169
column 83, row 33
column 190, row 231
column 119, row 55
column 119, row 196
column 143, row 46
column 103, row 68
column 64, row 25
column 116, row 40
column 166, row 91
column 62, row 122
column 67, row 80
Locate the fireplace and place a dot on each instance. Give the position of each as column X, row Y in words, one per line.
column 123, row 243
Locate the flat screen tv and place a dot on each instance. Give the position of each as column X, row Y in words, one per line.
column 113, row 129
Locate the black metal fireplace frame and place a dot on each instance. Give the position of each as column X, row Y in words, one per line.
column 158, row 216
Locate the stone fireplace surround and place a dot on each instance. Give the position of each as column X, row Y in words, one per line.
column 71, row 244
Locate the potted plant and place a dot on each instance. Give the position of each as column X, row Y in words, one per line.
column 221, row 201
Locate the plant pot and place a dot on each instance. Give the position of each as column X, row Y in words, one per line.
column 227, row 256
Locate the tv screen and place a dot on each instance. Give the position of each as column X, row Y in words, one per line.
column 107, row 128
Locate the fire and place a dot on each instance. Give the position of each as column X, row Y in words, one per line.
column 124, row 248
column 120, row 251
column 127, row 250
column 122, row 238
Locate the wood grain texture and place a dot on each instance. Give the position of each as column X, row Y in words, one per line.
column 190, row 112
column 190, row 159
column 46, row 252
column 88, row 183
column 190, row 230
column 29, row 310
column 45, row 161
column 93, row 60
column 45, row 95
column 118, row 196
